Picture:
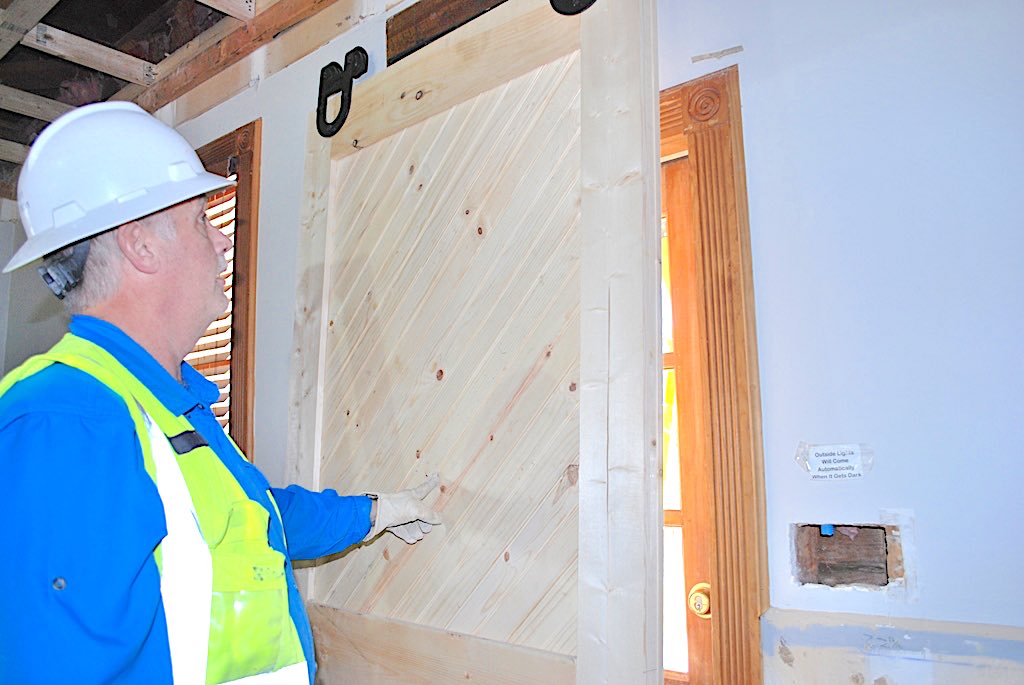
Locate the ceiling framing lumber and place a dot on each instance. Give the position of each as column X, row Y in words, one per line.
column 31, row 105
column 62, row 44
column 237, row 45
column 186, row 53
column 13, row 152
column 427, row 20
column 243, row 10
column 20, row 18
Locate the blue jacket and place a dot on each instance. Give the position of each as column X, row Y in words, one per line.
column 79, row 588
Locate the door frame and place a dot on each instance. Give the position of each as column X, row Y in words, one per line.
column 702, row 118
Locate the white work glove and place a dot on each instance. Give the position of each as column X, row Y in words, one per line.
column 405, row 513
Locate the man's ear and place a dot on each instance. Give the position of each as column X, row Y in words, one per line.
column 137, row 243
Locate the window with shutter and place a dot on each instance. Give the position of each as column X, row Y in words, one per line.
column 225, row 353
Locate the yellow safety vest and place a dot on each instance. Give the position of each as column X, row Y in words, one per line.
column 220, row 578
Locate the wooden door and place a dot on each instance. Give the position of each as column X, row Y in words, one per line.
column 689, row 500
column 714, row 361
column 479, row 278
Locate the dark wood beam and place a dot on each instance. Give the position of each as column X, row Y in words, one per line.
column 428, row 20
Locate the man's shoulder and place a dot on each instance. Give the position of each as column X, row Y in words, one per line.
column 62, row 390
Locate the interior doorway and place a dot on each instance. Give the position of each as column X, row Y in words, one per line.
column 714, row 533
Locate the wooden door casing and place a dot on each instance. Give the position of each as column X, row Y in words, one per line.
column 701, row 120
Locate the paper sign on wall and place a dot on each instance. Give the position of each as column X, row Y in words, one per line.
column 835, row 462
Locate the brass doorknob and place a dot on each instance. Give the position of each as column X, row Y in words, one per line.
column 699, row 600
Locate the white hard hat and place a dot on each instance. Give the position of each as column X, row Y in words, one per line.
column 100, row 166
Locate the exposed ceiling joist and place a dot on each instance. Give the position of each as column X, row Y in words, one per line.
column 62, row 44
column 19, row 18
column 239, row 43
column 31, row 105
column 195, row 47
column 13, row 152
column 244, row 10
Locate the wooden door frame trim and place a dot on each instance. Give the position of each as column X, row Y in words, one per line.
column 620, row 610
column 244, row 144
column 620, row 537
column 702, row 118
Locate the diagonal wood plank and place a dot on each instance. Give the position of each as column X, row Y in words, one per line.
column 519, row 127
column 453, row 312
column 354, row 648
column 20, row 17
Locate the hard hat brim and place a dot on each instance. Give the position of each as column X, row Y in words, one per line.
column 115, row 214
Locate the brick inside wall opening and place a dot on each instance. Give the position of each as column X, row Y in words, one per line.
column 843, row 555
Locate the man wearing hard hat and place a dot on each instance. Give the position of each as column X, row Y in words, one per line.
column 141, row 546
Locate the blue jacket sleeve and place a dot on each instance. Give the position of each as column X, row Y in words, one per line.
column 81, row 599
column 321, row 523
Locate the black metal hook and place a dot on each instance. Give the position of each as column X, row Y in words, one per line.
column 570, row 7
column 335, row 79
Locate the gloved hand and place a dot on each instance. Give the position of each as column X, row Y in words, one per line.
column 404, row 513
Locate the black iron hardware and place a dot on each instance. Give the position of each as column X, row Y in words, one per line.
column 571, row 6
column 335, row 79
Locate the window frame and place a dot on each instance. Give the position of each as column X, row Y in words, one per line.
column 238, row 152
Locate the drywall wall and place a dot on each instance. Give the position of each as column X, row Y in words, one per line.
column 33, row 319
column 883, row 148
column 7, row 229
column 809, row 648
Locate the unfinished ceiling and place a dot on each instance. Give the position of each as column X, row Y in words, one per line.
column 59, row 54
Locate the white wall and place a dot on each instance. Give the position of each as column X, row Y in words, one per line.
column 884, row 152
column 31, row 318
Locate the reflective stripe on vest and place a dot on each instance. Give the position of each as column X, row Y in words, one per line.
column 186, row 575
column 236, row 581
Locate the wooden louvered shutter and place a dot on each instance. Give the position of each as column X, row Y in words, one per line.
column 225, row 353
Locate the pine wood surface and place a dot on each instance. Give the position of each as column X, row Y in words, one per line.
column 504, row 43
column 451, row 344
column 376, row 651
column 620, row 635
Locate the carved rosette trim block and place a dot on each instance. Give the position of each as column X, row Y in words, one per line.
column 704, row 104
